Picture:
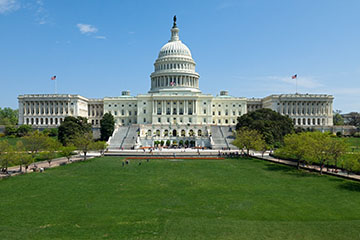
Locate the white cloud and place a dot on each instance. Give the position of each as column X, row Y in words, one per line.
column 86, row 28
column 100, row 37
column 7, row 6
column 41, row 13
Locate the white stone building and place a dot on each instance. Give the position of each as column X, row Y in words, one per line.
column 174, row 109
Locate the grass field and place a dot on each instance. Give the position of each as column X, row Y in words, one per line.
column 354, row 144
column 191, row 199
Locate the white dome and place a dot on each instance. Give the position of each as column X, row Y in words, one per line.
column 175, row 48
column 174, row 69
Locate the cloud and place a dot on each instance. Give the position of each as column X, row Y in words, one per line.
column 86, row 28
column 100, row 37
column 7, row 6
column 41, row 13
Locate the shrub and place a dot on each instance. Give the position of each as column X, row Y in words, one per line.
column 23, row 130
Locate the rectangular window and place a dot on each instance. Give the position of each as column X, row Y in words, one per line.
column 159, row 119
column 144, row 111
column 144, row 120
column 204, row 120
column 190, row 119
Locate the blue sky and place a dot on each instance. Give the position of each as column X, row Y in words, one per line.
column 98, row 48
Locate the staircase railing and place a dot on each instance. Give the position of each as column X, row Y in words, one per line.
column 122, row 142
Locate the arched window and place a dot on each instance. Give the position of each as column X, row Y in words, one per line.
column 166, row 133
column 157, row 132
column 183, row 133
column 199, row 133
column 149, row 133
column 191, row 133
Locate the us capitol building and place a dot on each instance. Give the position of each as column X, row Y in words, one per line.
column 174, row 110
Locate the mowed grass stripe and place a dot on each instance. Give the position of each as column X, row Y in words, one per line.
column 206, row 199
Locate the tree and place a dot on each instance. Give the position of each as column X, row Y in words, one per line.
column 67, row 151
column 353, row 119
column 35, row 142
column 6, row 153
column 272, row 125
column 337, row 118
column 100, row 146
column 107, row 126
column 249, row 139
column 23, row 130
column 337, row 149
column 52, row 145
column 8, row 116
column 72, row 127
column 10, row 130
column 295, row 147
column 318, row 150
column 84, row 143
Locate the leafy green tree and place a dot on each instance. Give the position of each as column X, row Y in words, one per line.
column 71, row 127
column 295, row 147
column 107, row 126
column 8, row 116
column 52, row 145
column 337, row 149
column 318, row 150
column 35, row 142
column 338, row 119
column 100, row 146
column 67, row 151
column 6, row 153
column 249, row 139
column 10, row 130
column 84, row 143
column 23, row 130
column 272, row 125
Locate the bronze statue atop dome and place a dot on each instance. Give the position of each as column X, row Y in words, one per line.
column 174, row 26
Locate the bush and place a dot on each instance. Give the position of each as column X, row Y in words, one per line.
column 23, row 130
column 53, row 132
column 168, row 143
column 2, row 135
column 357, row 134
column 10, row 130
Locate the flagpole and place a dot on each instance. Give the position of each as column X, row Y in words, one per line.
column 296, row 86
column 55, row 86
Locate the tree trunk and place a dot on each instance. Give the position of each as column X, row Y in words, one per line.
column 298, row 165
column 247, row 152
column 321, row 167
column 20, row 167
column 84, row 156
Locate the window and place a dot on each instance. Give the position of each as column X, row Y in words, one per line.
column 219, row 120
column 129, row 113
column 190, row 120
column 168, row 120
column 115, row 113
column 234, row 113
column 219, row 113
column 214, row 113
column 204, row 120
column 159, row 119
column 144, row 111
column 204, row 111
column 144, row 120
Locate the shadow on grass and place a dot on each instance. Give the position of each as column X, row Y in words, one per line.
column 350, row 186
column 290, row 170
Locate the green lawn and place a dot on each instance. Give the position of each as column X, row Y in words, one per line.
column 191, row 199
column 354, row 144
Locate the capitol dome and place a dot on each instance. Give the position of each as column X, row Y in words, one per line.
column 174, row 67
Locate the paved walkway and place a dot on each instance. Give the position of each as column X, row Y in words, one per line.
column 330, row 171
column 15, row 170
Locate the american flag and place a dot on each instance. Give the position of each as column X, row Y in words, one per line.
column 172, row 83
column 294, row 76
column 53, row 77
